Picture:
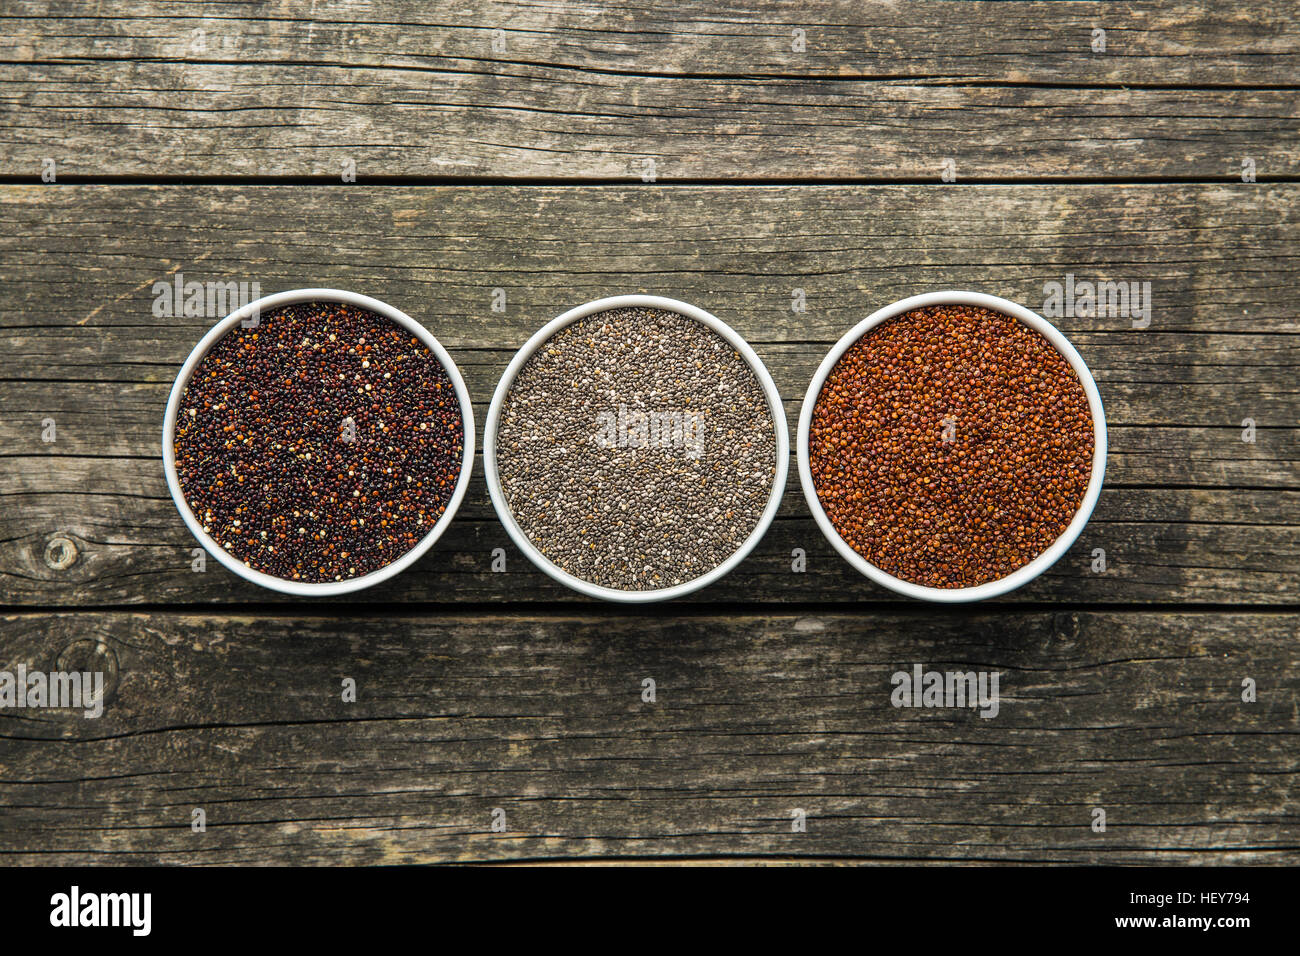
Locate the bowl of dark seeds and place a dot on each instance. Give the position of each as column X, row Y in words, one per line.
column 952, row 446
column 317, row 442
column 636, row 449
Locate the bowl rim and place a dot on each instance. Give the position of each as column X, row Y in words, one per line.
column 293, row 297
column 775, row 407
column 1057, row 549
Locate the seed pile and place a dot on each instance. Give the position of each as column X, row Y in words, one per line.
column 951, row 446
column 321, row 445
column 586, row 486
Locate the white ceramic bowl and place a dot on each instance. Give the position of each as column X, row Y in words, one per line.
column 494, row 416
column 267, row 304
column 1062, row 544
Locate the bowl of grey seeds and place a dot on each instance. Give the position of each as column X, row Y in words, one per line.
column 636, row 449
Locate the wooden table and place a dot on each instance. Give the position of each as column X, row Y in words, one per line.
column 723, row 154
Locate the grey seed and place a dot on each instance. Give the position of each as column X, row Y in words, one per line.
column 678, row 516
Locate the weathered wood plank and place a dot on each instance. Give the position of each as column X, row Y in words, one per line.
column 706, row 92
column 1190, row 43
column 87, row 257
column 1174, row 546
column 542, row 716
column 83, row 347
column 217, row 120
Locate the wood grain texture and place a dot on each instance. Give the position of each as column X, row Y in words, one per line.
column 542, row 716
column 708, row 92
column 1192, row 514
column 1190, row 43
column 81, row 261
column 480, row 690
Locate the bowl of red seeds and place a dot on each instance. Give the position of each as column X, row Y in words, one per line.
column 952, row 446
column 317, row 442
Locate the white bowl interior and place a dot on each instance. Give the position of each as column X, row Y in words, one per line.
column 266, row 304
column 522, row 541
column 1058, row 548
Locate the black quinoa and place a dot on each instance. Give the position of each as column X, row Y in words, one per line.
column 262, row 450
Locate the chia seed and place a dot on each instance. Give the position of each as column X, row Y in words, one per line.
column 636, row 513
column 951, row 446
column 320, row 446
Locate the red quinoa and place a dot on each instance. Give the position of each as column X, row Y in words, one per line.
column 263, row 454
column 994, row 495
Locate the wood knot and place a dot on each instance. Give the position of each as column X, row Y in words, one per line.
column 89, row 655
column 1065, row 627
column 60, row 553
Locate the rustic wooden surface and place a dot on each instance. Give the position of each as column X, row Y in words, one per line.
column 215, row 154
column 756, row 715
column 881, row 91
